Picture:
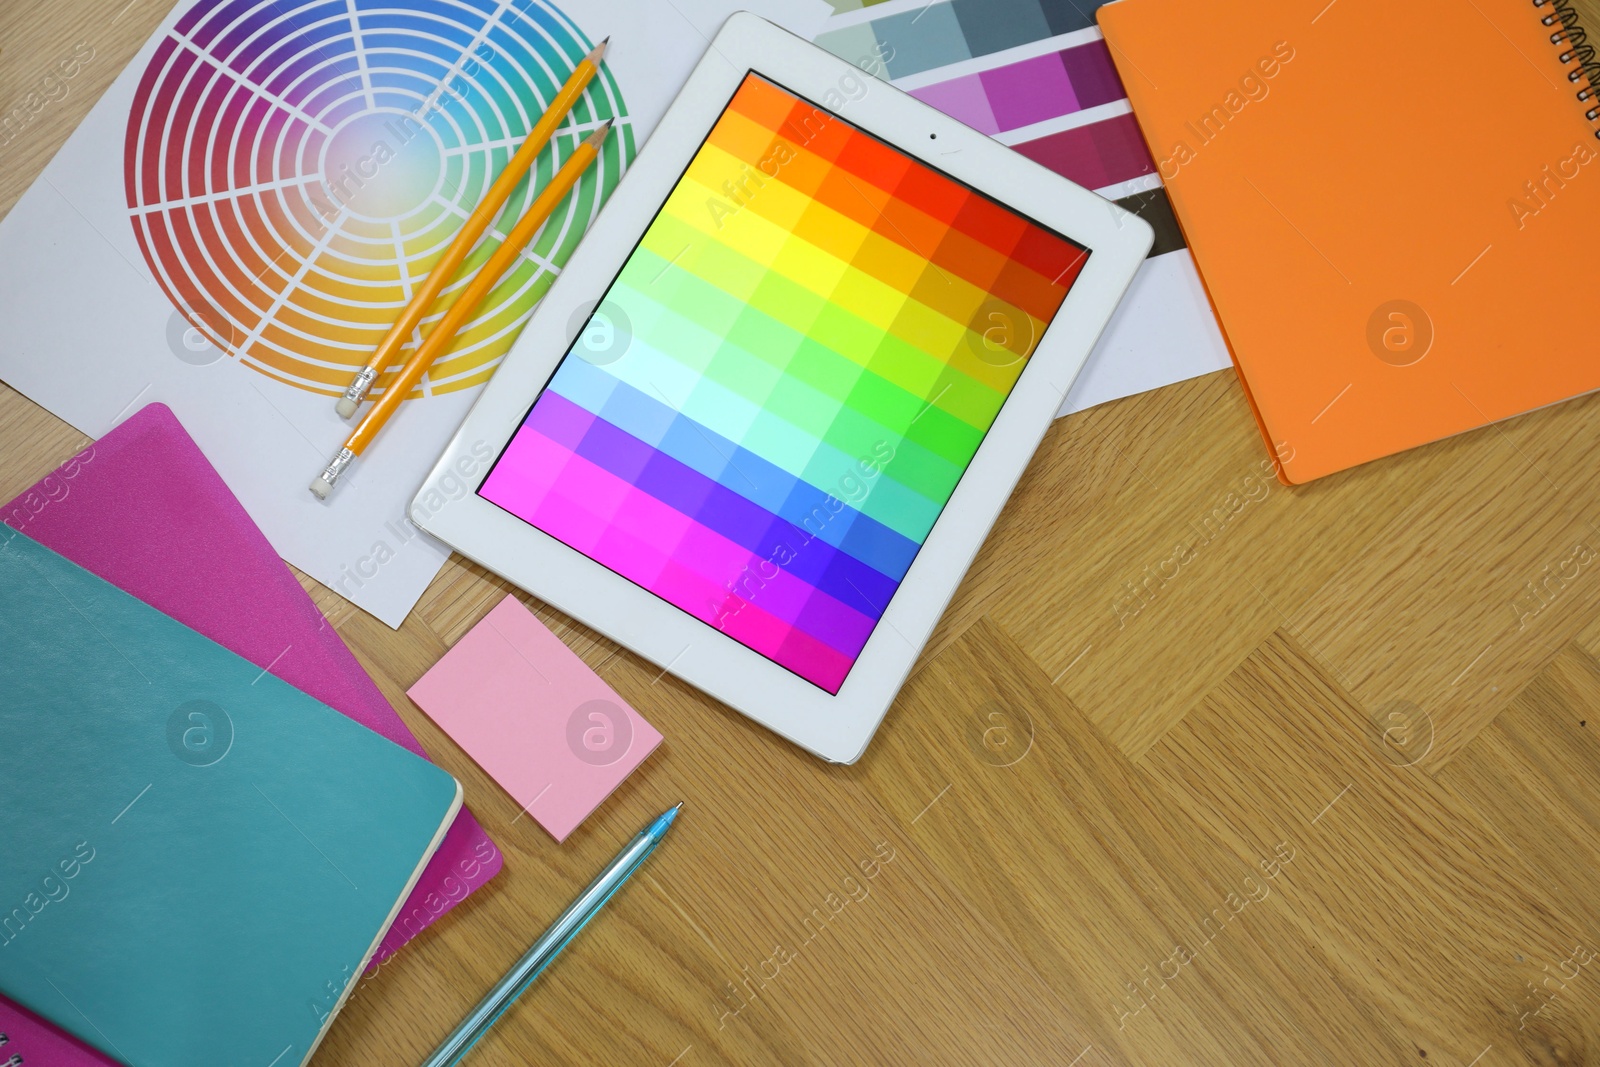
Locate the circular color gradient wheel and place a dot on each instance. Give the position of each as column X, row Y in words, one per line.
column 294, row 168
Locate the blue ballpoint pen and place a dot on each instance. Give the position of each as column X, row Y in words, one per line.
column 563, row 930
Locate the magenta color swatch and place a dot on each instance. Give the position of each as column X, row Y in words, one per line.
column 1094, row 156
column 1031, row 91
column 143, row 509
column 1028, row 91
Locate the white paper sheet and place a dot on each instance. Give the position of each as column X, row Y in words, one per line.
column 93, row 337
column 1162, row 332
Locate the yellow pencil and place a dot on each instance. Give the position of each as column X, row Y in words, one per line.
column 473, row 229
column 441, row 336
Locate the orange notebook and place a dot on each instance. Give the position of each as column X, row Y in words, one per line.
column 1392, row 204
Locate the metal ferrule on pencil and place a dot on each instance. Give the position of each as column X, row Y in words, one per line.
column 360, row 385
column 331, row 472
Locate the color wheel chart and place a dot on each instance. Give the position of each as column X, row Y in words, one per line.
column 294, row 168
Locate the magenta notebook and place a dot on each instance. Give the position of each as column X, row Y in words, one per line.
column 143, row 509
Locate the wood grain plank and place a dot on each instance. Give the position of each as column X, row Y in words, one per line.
column 94, row 39
column 1462, row 598
column 36, row 444
column 1534, row 774
column 1151, row 548
column 1396, row 878
column 1588, row 638
column 1148, row 929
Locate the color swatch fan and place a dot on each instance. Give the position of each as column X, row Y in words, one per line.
column 295, row 168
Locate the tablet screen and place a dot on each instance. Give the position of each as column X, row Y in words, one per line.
column 763, row 417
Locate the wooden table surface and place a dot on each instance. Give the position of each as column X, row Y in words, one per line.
column 1199, row 769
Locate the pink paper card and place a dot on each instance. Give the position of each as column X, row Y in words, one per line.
column 532, row 714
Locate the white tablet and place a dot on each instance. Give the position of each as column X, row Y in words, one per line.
column 760, row 425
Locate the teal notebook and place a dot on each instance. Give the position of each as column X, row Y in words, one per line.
column 196, row 859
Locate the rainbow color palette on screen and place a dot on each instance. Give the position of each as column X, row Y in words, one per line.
column 766, row 417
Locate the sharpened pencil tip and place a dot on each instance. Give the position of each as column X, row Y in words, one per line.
column 599, row 135
column 598, row 50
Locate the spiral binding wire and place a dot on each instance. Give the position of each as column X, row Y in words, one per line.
column 1578, row 50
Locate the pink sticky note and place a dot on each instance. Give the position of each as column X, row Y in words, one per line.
column 532, row 714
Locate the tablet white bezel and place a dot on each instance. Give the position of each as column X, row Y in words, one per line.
column 836, row 727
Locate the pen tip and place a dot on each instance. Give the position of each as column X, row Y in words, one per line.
column 661, row 823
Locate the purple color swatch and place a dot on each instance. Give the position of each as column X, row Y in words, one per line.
column 964, row 100
column 1036, row 89
column 1033, row 90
